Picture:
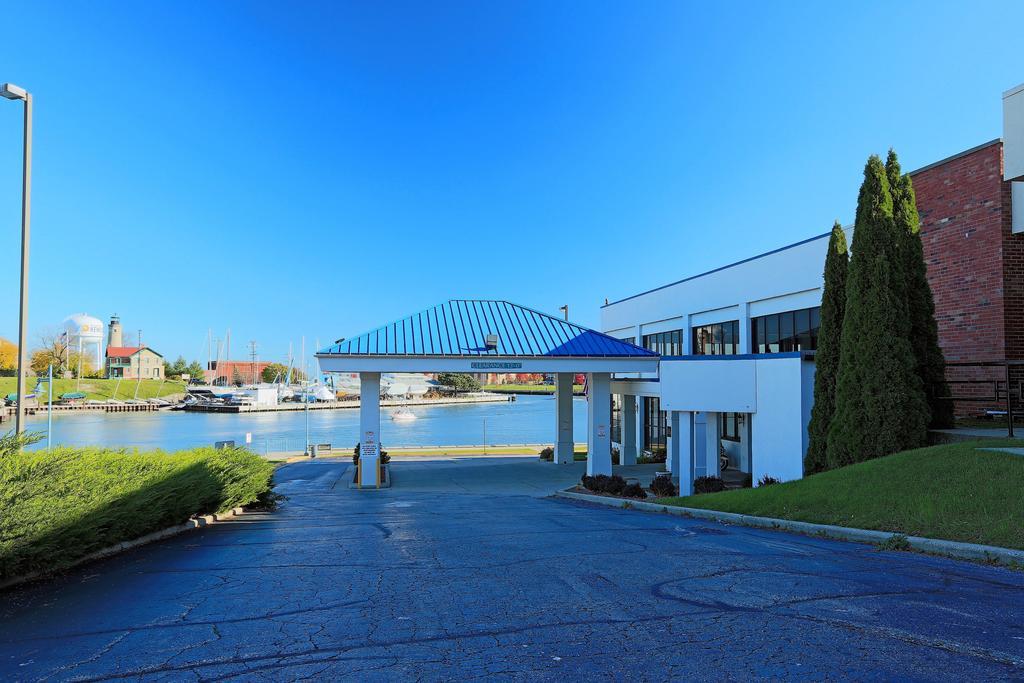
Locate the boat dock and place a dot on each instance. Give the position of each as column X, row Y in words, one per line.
column 87, row 408
column 341, row 405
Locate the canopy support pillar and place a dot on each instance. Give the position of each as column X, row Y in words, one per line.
column 369, row 430
column 564, row 444
column 599, row 417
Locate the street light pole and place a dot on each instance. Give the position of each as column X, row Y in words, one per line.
column 13, row 92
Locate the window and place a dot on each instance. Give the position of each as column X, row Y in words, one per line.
column 789, row 331
column 719, row 339
column 655, row 426
column 729, row 426
column 665, row 343
column 616, row 426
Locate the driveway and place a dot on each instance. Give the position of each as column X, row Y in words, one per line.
column 456, row 582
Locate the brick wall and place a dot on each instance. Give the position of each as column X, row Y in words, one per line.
column 975, row 264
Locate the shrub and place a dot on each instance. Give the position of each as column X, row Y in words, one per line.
column 767, row 480
column 634, row 490
column 61, row 505
column 602, row 483
column 615, row 485
column 708, row 485
column 547, row 453
column 663, row 487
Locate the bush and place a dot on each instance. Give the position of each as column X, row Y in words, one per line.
column 602, row 483
column 634, row 490
column 61, row 505
column 663, row 487
column 767, row 480
column 708, row 485
column 547, row 453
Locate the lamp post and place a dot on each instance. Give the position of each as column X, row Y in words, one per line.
column 13, row 92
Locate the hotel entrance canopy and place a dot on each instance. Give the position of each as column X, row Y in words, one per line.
column 485, row 336
column 476, row 335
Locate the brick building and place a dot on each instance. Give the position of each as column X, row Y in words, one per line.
column 974, row 247
column 223, row 372
column 975, row 262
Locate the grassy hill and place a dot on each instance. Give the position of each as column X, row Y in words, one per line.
column 953, row 491
column 100, row 389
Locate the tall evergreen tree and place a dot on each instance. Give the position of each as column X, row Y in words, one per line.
column 880, row 404
column 826, row 360
column 924, row 332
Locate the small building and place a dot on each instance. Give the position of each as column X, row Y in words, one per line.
column 134, row 362
column 226, row 372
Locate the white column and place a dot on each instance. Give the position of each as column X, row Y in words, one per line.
column 745, row 345
column 681, row 453
column 599, row 418
column 713, row 443
column 563, row 418
column 369, row 429
column 627, row 450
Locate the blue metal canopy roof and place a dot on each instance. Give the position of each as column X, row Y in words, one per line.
column 460, row 327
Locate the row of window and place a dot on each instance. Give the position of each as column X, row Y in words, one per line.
column 718, row 339
column 789, row 331
column 665, row 343
column 776, row 333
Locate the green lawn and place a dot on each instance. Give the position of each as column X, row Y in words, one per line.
column 953, row 491
column 65, row 504
column 99, row 389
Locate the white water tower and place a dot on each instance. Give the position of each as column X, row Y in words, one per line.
column 85, row 335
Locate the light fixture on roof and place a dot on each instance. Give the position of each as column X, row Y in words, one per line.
column 491, row 342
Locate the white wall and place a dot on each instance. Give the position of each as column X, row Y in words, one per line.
column 779, row 427
column 1013, row 133
column 788, row 279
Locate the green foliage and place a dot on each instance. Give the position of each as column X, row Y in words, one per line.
column 61, row 505
column 195, row 370
column 880, row 404
column 708, row 485
column 953, row 491
column 177, row 368
column 830, row 335
column 459, row 381
column 930, row 363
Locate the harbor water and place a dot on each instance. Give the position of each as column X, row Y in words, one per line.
column 529, row 419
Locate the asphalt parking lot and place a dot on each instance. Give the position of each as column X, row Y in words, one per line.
column 453, row 575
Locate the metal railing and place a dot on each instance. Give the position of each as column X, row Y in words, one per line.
column 1002, row 388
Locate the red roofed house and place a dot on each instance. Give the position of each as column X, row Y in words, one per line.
column 132, row 362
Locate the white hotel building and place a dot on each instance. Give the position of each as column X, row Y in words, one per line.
column 733, row 393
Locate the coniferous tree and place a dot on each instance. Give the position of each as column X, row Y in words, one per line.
column 826, row 359
column 880, row 404
column 924, row 333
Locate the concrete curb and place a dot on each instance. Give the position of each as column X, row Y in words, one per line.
column 192, row 523
column 931, row 546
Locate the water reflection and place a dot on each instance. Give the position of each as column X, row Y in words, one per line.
column 530, row 419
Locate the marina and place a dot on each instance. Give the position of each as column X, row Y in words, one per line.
column 494, row 423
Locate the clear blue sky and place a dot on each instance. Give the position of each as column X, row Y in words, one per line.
column 288, row 169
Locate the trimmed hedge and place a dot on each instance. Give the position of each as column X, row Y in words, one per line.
column 62, row 505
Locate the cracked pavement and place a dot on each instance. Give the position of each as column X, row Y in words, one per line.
column 464, row 570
